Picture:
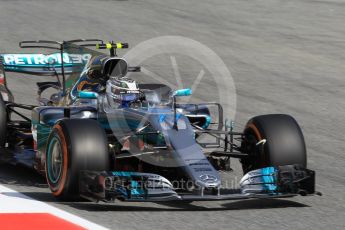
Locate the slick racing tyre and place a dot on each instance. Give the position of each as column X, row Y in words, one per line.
column 3, row 122
column 74, row 145
column 273, row 140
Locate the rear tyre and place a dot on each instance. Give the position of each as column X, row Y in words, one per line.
column 281, row 142
column 74, row 145
column 3, row 122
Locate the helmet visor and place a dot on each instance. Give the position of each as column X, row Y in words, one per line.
column 129, row 96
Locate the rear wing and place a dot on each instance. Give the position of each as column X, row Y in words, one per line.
column 45, row 64
column 48, row 64
column 61, row 62
column 55, row 63
column 51, row 64
column 42, row 64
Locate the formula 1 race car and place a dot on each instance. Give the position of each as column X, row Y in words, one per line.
column 104, row 136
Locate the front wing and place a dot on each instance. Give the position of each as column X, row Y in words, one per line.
column 269, row 182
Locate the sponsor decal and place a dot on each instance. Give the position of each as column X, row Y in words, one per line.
column 44, row 60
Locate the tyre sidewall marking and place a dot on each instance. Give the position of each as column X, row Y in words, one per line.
column 61, row 184
column 259, row 137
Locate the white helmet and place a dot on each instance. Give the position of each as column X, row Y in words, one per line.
column 122, row 91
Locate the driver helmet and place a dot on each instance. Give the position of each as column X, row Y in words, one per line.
column 122, row 91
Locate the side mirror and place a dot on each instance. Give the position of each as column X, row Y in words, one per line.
column 182, row 92
column 88, row 95
column 179, row 93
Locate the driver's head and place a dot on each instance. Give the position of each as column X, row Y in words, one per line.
column 122, row 91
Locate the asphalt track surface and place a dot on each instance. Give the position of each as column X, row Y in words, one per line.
column 284, row 56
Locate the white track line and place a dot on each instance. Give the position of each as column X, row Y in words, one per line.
column 12, row 201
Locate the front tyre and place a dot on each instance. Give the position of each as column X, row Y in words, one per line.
column 74, row 145
column 273, row 140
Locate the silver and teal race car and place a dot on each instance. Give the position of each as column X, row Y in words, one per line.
column 104, row 136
